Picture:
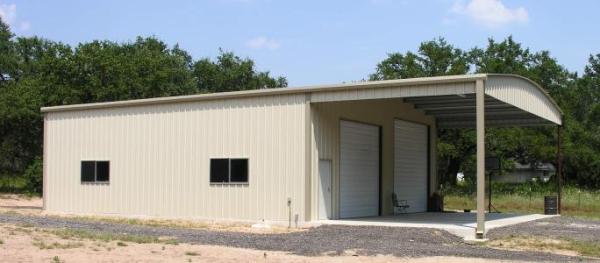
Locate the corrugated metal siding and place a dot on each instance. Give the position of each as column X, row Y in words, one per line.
column 160, row 148
column 159, row 157
column 395, row 92
column 522, row 94
column 325, row 145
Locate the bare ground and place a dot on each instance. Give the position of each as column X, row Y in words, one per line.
column 23, row 225
column 22, row 246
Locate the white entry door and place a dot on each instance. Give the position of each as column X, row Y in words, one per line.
column 324, row 189
column 410, row 164
column 359, row 170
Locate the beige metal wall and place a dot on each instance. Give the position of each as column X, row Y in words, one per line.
column 325, row 141
column 159, row 159
column 160, row 148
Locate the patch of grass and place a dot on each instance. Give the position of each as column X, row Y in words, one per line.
column 583, row 248
column 121, row 244
column 1, row 242
column 23, row 230
column 106, row 236
column 586, row 248
column 148, row 222
column 26, row 225
column 575, row 202
column 103, row 236
column 10, row 212
column 13, row 184
column 56, row 259
column 191, row 253
column 175, row 223
column 171, row 242
column 182, row 223
column 56, row 245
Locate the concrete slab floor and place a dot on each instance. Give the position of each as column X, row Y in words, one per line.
column 460, row 224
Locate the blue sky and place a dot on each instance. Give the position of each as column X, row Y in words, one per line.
column 317, row 42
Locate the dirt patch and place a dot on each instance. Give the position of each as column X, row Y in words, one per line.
column 240, row 242
column 12, row 203
column 29, row 244
column 332, row 241
column 554, row 246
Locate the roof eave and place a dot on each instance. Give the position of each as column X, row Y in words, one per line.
column 268, row 92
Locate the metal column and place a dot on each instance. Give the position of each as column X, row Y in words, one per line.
column 480, row 124
column 559, row 168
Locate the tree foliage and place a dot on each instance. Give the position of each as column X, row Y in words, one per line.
column 36, row 72
column 230, row 73
column 434, row 58
column 577, row 96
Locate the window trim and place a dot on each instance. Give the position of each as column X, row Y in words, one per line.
column 95, row 182
column 229, row 170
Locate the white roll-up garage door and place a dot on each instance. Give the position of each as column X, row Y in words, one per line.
column 359, row 170
column 410, row 164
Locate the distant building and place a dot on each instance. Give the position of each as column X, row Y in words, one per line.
column 528, row 173
column 460, row 177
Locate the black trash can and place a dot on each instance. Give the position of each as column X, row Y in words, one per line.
column 550, row 205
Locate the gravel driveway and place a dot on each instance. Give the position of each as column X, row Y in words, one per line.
column 323, row 240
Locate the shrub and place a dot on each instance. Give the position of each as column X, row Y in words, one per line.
column 34, row 177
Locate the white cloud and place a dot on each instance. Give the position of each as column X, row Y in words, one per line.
column 490, row 13
column 262, row 43
column 8, row 13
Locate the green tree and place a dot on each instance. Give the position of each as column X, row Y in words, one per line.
column 36, row 72
column 7, row 56
column 20, row 100
column 231, row 73
column 108, row 71
column 434, row 58
column 582, row 128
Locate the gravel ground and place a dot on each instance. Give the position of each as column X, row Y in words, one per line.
column 323, row 240
column 555, row 227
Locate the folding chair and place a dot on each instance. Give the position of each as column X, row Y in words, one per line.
column 399, row 205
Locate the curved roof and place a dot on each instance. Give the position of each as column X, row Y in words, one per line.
column 511, row 96
column 524, row 94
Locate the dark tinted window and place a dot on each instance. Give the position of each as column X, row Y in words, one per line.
column 219, row 170
column 239, row 171
column 102, row 171
column 88, row 171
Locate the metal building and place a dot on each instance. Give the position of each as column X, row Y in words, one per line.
column 301, row 154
